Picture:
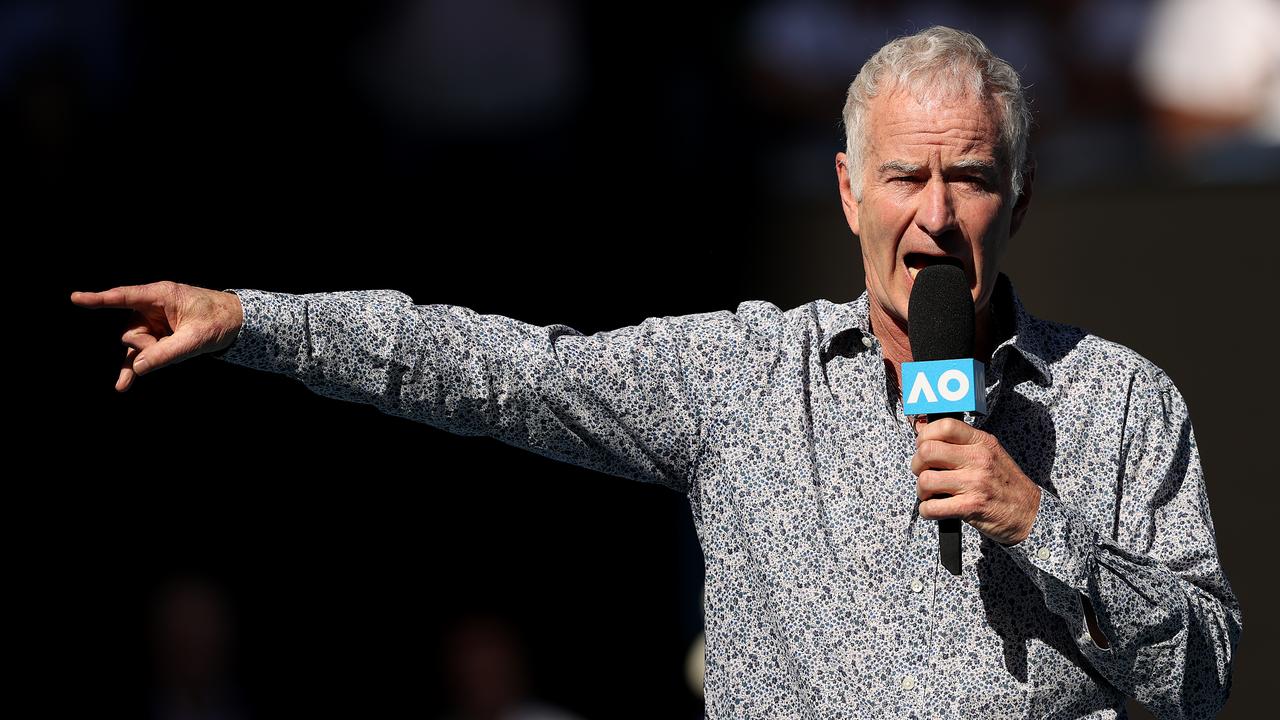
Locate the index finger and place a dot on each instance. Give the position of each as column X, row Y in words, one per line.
column 949, row 430
column 124, row 296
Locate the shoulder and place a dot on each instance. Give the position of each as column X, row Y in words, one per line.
column 1079, row 357
column 758, row 322
column 751, row 318
column 735, row 338
column 761, row 315
column 774, row 325
column 765, row 314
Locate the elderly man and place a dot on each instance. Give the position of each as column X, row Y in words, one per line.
column 1090, row 566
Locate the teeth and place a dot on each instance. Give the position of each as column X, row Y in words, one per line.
column 914, row 271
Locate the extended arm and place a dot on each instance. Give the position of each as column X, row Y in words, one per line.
column 628, row 402
column 1169, row 619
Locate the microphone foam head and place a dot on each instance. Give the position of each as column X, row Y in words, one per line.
column 940, row 315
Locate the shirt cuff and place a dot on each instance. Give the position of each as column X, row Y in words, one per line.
column 1060, row 546
column 273, row 335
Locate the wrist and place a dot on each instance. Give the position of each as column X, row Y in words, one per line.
column 1030, row 517
column 233, row 314
column 237, row 312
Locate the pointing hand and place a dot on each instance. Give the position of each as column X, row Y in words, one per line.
column 171, row 322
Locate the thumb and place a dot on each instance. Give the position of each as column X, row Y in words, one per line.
column 170, row 349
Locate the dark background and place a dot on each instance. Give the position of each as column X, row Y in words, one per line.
column 554, row 162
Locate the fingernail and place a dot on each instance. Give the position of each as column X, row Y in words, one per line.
column 140, row 366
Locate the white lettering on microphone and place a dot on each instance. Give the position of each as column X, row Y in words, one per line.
column 921, row 385
column 961, row 385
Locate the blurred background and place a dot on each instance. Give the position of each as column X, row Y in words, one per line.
column 218, row 543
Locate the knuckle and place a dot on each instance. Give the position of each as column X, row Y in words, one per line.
column 981, row 462
column 981, row 496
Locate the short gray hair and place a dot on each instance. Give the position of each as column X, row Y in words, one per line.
column 940, row 63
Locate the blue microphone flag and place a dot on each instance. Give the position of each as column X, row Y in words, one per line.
column 943, row 386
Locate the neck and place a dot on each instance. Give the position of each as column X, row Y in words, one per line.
column 897, row 346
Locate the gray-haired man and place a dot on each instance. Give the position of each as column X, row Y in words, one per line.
column 1091, row 570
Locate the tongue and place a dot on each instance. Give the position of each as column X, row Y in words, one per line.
column 916, row 262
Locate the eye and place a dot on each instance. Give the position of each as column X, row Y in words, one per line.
column 976, row 181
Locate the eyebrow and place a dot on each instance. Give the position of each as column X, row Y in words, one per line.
column 900, row 166
column 986, row 166
column 907, row 168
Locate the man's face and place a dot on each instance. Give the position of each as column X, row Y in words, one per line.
column 935, row 188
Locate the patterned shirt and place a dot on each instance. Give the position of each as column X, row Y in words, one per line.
column 824, row 594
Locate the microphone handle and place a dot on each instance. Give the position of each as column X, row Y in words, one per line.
column 949, row 528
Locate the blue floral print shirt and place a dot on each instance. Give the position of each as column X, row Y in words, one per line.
column 824, row 594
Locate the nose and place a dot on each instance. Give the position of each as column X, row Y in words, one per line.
column 936, row 214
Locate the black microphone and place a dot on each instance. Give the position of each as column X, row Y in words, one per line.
column 940, row 325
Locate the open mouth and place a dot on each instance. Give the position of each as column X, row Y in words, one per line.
column 916, row 262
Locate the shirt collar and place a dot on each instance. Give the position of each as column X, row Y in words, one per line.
column 848, row 323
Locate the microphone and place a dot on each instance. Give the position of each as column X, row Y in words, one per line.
column 944, row 379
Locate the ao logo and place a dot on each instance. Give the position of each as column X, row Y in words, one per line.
column 943, row 386
column 952, row 385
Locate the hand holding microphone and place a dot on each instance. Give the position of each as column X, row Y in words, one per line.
column 962, row 473
column 965, row 474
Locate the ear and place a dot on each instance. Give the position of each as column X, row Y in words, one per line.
column 847, row 200
column 1020, row 207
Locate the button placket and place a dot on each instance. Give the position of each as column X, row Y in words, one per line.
column 918, row 605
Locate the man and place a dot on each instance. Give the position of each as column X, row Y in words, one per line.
column 1090, row 566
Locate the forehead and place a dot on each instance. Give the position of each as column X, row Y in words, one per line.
column 901, row 125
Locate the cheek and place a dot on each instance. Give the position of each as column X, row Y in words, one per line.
column 988, row 230
column 882, row 225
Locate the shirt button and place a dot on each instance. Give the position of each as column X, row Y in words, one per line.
column 916, row 585
column 908, row 682
column 866, row 341
column 1043, row 553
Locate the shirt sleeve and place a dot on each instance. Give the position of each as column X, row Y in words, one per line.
column 627, row 402
column 1169, row 618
